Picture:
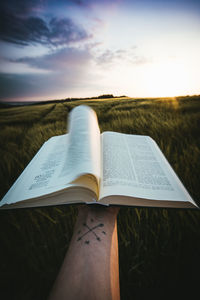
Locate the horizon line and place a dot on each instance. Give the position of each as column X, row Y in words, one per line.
column 103, row 96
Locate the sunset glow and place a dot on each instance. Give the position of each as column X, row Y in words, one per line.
column 167, row 79
column 59, row 49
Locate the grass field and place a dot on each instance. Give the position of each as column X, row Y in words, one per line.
column 159, row 248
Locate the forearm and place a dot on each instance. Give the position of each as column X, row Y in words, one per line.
column 90, row 269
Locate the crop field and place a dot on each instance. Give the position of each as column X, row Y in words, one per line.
column 159, row 249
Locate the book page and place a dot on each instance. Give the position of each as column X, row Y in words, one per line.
column 83, row 151
column 134, row 166
column 62, row 161
column 42, row 175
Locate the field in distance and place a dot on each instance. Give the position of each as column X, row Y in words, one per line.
column 159, row 248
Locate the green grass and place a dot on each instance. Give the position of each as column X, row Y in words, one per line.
column 159, row 248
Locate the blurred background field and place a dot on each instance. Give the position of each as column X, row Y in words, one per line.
column 159, row 248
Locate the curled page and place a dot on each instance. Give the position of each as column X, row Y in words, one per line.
column 83, row 151
column 62, row 160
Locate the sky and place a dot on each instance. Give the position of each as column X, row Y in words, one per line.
column 56, row 49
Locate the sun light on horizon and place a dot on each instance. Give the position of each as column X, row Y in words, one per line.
column 167, row 79
column 133, row 48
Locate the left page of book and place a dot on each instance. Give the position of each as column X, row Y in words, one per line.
column 57, row 164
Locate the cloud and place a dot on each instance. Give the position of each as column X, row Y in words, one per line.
column 77, row 58
column 22, row 31
column 27, row 28
column 65, row 31
column 113, row 57
column 91, row 3
column 107, row 57
column 21, row 7
column 59, row 60
column 39, row 86
column 66, row 71
column 16, row 85
column 110, row 57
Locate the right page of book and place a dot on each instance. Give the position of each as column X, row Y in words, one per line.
column 134, row 166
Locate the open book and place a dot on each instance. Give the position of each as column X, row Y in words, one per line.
column 85, row 166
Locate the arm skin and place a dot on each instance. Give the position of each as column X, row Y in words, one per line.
column 90, row 269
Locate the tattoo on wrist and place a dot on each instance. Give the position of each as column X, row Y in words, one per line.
column 90, row 230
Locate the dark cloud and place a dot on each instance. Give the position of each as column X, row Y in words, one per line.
column 23, row 31
column 37, row 86
column 21, row 25
column 15, row 85
column 21, row 7
column 66, row 69
column 65, row 31
column 29, row 6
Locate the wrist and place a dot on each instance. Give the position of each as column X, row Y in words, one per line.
column 97, row 212
column 95, row 223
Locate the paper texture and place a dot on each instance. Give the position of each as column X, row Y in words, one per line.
column 83, row 151
column 40, row 176
column 134, row 166
column 61, row 160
